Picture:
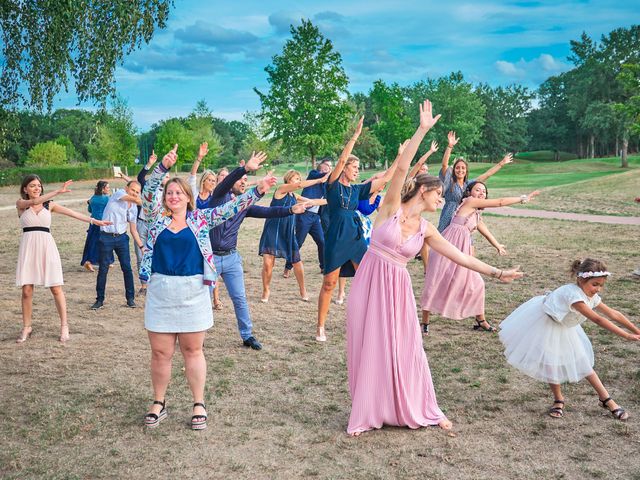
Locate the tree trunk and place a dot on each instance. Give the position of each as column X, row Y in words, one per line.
column 625, row 148
column 617, row 146
column 592, row 145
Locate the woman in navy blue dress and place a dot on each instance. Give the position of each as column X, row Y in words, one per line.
column 278, row 238
column 344, row 241
column 96, row 206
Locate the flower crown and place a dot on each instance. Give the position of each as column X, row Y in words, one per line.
column 593, row 274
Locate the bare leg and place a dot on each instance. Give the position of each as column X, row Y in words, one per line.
column 217, row 304
column 324, row 299
column 298, row 271
column 61, row 306
column 603, row 394
column 27, row 312
column 425, row 322
column 342, row 285
column 267, row 271
column 195, row 366
column 162, row 347
column 482, row 324
column 558, row 401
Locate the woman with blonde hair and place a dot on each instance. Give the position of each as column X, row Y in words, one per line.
column 278, row 238
column 178, row 306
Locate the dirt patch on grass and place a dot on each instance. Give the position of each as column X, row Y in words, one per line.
column 75, row 410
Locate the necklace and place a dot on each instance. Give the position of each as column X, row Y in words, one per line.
column 345, row 204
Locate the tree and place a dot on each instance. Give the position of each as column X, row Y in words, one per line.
column 47, row 154
column 116, row 137
column 47, row 43
column 257, row 140
column 305, row 106
column 392, row 123
column 629, row 110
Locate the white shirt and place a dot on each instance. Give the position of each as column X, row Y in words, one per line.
column 119, row 212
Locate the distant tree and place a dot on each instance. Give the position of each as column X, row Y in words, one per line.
column 305, row 107
column 45, row 44
column 116, row 141
column 47, row 154
column 392, row 123
column 70, row 149
column 80, row 126
column 257, row 140
column 629, row 109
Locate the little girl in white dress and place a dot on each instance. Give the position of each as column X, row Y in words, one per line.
column 543, row 337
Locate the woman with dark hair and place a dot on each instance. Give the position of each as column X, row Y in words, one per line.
column 38, row 258
column 96, row 205
column 389, row 377
column 455, row 180
column 449, row 289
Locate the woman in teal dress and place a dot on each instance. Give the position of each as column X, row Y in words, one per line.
column 344, row 242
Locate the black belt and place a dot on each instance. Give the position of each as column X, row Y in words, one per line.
column 224, row 253
column 36, row 229
column 111, row 234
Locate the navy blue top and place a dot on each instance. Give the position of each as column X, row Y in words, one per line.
column 97, row 203
column 366, row 208
column 200, row 204
column 319, row 190
column 224, row 237
column 177, row 254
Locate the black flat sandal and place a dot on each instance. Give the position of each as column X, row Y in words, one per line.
column 199, row 422
column 619, row 413
column 151, row 420
column 425, row 329
column 479, row 326
column 557, row 412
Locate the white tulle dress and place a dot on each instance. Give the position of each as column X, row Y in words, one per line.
column 543, row 337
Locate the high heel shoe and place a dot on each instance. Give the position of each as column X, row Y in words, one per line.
column 199, row 422
column 152, row 420
column 24, row 335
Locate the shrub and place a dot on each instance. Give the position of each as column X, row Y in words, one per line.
column 47, row 154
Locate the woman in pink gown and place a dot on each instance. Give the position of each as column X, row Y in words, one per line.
column 454, row 291
column 38, row 258
column 389, row 377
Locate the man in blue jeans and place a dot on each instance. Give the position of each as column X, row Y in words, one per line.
column 121, row 211
column 224, row 240
column 309, row 222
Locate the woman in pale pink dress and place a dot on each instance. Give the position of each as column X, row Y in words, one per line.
column 454, row 291
column 389, row 377
column 38, row 258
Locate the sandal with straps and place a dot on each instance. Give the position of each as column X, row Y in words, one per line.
column 425, row 329
column 618, row 413
column 199, row 422
column 479, row 326
column 151, row 420
column 557, row 412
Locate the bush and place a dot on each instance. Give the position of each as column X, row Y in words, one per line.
column 14, row 176
column 47, row 153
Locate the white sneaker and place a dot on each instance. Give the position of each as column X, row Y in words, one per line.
column 636, row 272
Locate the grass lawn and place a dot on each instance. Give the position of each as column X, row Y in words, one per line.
column 75, row 411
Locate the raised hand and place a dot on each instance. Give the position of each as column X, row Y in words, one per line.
column 255, row 162
column 65, row 187
column 152, row 159
column 434, row 147
column 241, row 163
column 510, row 275
column 170, row 158
column 358, row 131
column 402, row 146
column 266, row 183
column 203, row 150
column 508, row 158
column 451, row 137
column 325, row 178
column 427, row 120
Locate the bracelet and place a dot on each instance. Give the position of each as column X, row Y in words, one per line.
column 500, row 276
column 524, row 199
column 90, row 221
column 290, row 210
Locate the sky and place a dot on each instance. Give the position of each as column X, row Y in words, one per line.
column 217, row 51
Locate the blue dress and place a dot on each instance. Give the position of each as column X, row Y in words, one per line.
column 91, row 253
column 344, row 239
column 452, row 196
column 278, row 236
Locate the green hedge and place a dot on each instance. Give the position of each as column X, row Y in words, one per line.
column 14, row 176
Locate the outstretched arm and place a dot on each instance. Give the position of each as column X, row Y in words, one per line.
column 392, row 198
column 202, row 152
column 416, row 168
column 508, row 158
column 78, row 216
column 617, row 317
column 451, row 137
column 599, row 320
column 348, row 148
column 471, row 202
column 23, row 204
column 290, row 187
column 379, row 181
column 484, row 231
column 443, row 247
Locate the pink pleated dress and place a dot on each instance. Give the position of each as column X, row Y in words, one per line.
column 38, row 257
column 451, row 290
column 389, row 377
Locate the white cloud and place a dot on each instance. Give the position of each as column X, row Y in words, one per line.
column 537, row 69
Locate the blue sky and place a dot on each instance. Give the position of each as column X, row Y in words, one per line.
column 217, row 51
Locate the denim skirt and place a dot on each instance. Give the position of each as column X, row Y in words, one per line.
column 176, row 304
